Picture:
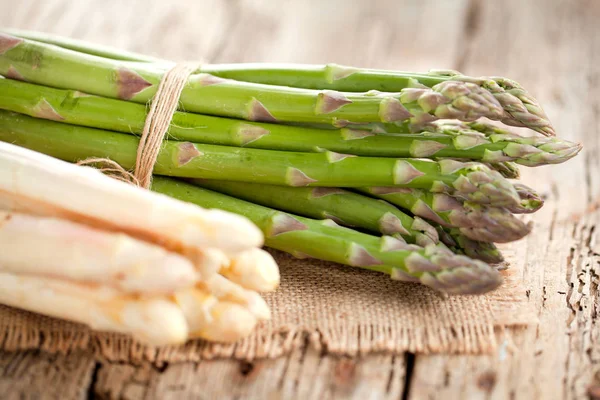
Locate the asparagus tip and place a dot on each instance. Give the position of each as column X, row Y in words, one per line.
column 531, row 201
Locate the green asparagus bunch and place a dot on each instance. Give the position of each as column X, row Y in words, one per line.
column 384, row 170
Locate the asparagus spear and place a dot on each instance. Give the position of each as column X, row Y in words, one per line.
column 304, row 237
column 520, row 108
column 67, row 250
column 488, row 224
column 184, row 159
column 525, row 150
column 344, row 207
column 54, row 66
column 75, row 108
column 351, row 209
column 82, row 46
column 154, row 320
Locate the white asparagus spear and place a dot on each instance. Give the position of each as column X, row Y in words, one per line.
column 35, row 183
column 223, row 289
column 212, row 319
column 254, row 269
column 59, row 248
column 155, row 321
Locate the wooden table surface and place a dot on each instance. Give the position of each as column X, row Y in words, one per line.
column 551, row 46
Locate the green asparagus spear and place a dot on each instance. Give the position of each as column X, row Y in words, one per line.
column 353, row 210
column 528, row 150
column 520, row 108
column 117, row 115
column 342, row 206
column 185, row 159
column 487, row 224
column 82, row 46
column 58, row 67
column 433, row 266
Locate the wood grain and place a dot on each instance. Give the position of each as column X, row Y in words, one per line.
column 551, row 46
column 36, row 375
column 304, row 374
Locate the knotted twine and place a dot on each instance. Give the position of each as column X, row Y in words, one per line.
column 162, row 107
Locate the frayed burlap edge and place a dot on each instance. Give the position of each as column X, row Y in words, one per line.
column 508, row 307
column 355, row 341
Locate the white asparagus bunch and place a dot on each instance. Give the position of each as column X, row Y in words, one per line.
column 81, row 246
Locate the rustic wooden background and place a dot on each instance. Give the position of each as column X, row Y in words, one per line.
column 551, row 46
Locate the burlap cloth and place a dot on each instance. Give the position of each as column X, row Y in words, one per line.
column 342, row 309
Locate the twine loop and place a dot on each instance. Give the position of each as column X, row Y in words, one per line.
column 162, row 107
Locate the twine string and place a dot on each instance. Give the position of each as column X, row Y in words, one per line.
column 163, row 106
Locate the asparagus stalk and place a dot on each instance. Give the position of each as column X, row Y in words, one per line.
column 98, row 257
column 184, row 159
column 520, row 108
column 58, row 67
column 303, row 237
column 488, row 224
column 344, row 207
column 82, row 46
column 351, row 209
column 75, row 108
column 155, row 320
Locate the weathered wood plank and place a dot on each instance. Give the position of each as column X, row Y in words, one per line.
column 553, row 49
column 36, row 375
column 303, row 374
